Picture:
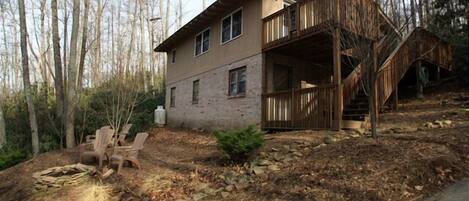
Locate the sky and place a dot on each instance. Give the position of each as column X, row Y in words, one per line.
column 192, row 8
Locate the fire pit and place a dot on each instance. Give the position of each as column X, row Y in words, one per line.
column 57, row 177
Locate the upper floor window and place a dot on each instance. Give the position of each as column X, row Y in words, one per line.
column 195, row 92
column 173, row 56
column 172, row 101
column 232, row 26
column 237, row 82
column 202, row 42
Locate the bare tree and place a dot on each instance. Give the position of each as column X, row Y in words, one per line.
column 58, row 78
column 72, row 73
column 26, row 81
column 81, row 65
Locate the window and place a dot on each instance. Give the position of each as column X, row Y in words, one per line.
column 173, row 56
column 232, row 26
column 195, row 92
column 202, row 42
column 172, row 101
column 237, row 82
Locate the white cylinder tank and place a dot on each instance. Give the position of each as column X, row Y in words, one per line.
column 160, row 116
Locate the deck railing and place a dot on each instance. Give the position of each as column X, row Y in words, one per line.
column 310, row 108
column 420, row 45
column 307, row 16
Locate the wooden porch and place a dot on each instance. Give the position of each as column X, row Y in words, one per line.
column 310, row 108
column 311, row 31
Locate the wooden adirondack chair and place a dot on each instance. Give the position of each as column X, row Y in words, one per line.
column 100, row 144
column 124, row 132
column 130, row 153
column 91, row 138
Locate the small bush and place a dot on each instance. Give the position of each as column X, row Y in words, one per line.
column 11, row 157
column 238, row 145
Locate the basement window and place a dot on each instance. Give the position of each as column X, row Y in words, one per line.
column 237, row 82
column 195, row 92
column 172, row 101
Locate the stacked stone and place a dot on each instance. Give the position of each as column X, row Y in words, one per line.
column 57, row 177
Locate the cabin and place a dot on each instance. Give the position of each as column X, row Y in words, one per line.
column 286, row 65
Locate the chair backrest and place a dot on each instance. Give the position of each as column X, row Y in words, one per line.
column 103, row 139
column 126, row 129
column 139, row 140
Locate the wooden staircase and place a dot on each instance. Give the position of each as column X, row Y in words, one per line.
column 418, row 46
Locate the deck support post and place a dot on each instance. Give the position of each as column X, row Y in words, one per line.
column 419, row 80
column 337, row 62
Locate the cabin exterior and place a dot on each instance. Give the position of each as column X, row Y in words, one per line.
column 281, row 64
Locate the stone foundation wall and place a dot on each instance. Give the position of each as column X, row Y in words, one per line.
column 215, row 109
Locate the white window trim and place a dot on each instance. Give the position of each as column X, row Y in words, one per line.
column 231, row 27
column 202, row 43
column 172, row 56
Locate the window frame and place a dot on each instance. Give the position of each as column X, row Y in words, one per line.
column 231, row 26
column 201, row 42
column 195, row 97
column 172, row 97
column 237, row 81
column 173, row 56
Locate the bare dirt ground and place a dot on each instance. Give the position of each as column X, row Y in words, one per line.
column 412, row 160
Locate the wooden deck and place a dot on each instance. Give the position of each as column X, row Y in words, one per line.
column 308, row 17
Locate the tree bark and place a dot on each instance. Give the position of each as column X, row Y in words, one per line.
column 81, row 66
column 97, row 54
column 26, row 81
column 58, row 78
column 372, row 99
column 3, row 134
column 71, row 99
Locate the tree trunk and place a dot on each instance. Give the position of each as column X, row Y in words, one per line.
column 3, row 135
column 97, row 54
column 372, row 99
column 142, row 49
column 81, row 66
column 420, row 13
column 413, row 13
column 26, row 81
column 58, row 78
column 71, row 99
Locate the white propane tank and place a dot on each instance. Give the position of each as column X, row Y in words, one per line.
column 160, row 116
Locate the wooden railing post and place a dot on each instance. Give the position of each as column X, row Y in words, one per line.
column 292, row 108
column 337, row 62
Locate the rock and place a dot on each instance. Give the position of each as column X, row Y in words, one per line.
column 257, row 170
column 210, row 191
column 306, row 149
column 275, row 150
column 439, row 123
column 419, row 188
column 264, row 162
column 229, row 188
column 447, row 122
column 287, row 159
column 286, row 147
column 263, row 154
column 273, row 168
column 319, row 146
column 230, row 178
column 404, row 130
column 329, row 140
column 297, row 154
column 199, row 196
column 200, row 186
column 430, row 125
column 224, row 194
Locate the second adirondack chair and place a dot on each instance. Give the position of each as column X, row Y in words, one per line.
column 100, row 144
column 130, row 153
column 123, row 134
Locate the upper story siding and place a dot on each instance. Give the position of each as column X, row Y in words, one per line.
column 248, row 44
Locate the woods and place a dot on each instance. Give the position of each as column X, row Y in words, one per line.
column 59, row 57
